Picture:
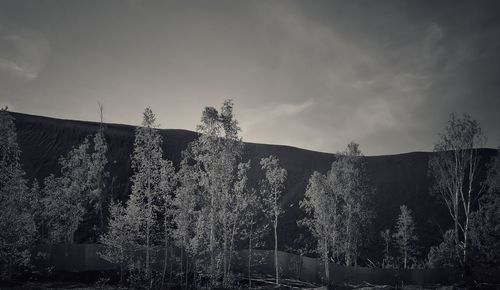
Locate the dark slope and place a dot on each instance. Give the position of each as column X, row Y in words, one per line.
column 397, row 179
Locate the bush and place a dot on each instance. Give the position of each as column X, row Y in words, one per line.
column 444, row 255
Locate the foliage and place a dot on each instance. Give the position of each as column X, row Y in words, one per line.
column 485, row 222
column 213, row 195
column 445, row 255
column 348, row 178
column 454, row 168
column 388, row 260
column 118, row 245
column 17, row 226
column 65, row 198
column 323, row 216
column 272, row 187
column 137, row 229
column 405, row 236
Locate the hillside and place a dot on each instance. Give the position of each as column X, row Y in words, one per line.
column 397, row 179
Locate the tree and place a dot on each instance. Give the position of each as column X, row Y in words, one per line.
column 485, row 222
column 454, row 167
column 65, row 197
column 116, row 241
column 386, row 236
column 272, row 188
column 444, row 255
column 215, row 158
column 405, row 236
column 254, row 227
column 167, row 185
column 349, row 180
column 322, row 207
column 186, row 213
column 147, row 181
column 97, row 174
column 17, row 226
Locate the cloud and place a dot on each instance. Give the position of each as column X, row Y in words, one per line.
column 255, row 117
column 23, row 54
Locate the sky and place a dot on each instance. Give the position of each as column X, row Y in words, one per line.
column 310, row 74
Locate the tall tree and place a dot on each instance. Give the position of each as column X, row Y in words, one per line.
column 65, row 198
column 216, row 157
column 348, row 178
column 454, row 167
column 485, row 222
column 98, row 174
column 187, row 213
column 147, row 164
column 167, row 185
column 17, row 226
column 272, row 188
column 116, row 241
column 322, row 208
column 404, row 235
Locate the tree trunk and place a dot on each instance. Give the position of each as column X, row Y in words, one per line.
column 405, row 259
column 327, row 263
column 212, row 239
column 457, row 233
column 148, row 225
column 250, row 255
column 276, row 248
column 165, row 262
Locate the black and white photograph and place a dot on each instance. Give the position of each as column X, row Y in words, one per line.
column 249, row 144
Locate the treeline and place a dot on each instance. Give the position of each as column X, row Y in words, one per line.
column 206, row 208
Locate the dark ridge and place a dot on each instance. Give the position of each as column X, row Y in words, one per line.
column 397, row 179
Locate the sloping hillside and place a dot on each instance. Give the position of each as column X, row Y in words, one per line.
column 397, row 179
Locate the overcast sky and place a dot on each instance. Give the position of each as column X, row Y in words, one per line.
column 311, row 74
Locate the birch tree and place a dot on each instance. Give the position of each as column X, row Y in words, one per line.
column 186, row 214
column 147, row 161
column 98, row 174
column 116, row 241
column 167, row 185
column 322, row 208
column 386, row 236
column 65, row 197
column 485, row 221
column 272, row 188
column 349, row 180
column 219, row 173
column 17, row 226
column 404, row 235
column 454, row 167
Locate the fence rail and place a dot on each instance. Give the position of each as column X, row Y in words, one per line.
column 85, row 257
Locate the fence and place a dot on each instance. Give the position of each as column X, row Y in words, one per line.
column 85, row 257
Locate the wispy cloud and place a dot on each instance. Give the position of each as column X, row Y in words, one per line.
column 23, row 54
column 251, row 118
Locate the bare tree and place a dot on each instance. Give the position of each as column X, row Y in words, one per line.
column 454, row 166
